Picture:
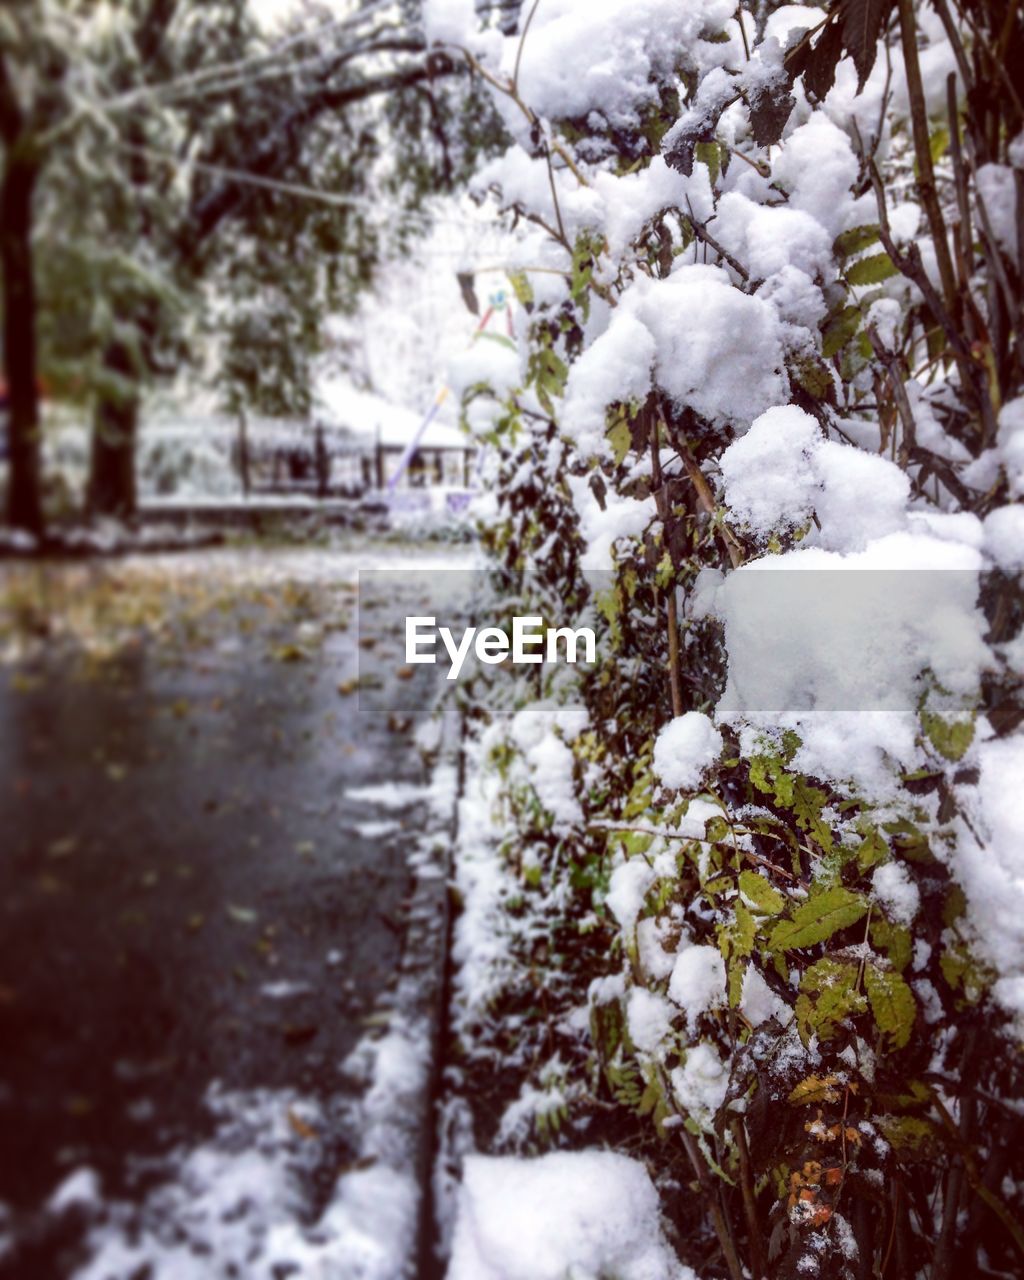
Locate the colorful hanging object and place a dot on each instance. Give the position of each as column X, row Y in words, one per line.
column 497, row 302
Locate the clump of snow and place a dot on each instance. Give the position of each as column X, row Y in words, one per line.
column 80, row 1189
column 615, row 368
column 579, row 57
column 649, row 1018
column 758, row 1002
column 633, row 198
column 536, row 730
column 770, row 484
column 789, row 20
column 581, row 1213
column 388, row 795
column 1011, row 444
column 449, row 21
column 655, row 960
column 783, row 471
column 532, row 724
column 769, row 238
column 551, row 771
column 685, row 749
column 898, row 894
column 479, row 946
column 990, row 866
column 701, row 1083
column 818, row 169
column 490, row 363
column 693, row 823
column 996, row 194
column 697, row 984
column 1004, row 537
column 602, row 527
column 627, row 889
column 719, row 350
column 797, row 300
column 837, row 648
column 236, row 1202
column 713, row 348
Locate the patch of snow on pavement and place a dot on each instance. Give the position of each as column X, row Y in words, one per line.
column 237, row 1201
column 388, row 795
column 375, row 830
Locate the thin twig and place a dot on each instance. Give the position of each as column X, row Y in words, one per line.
column 891, row 364
column 522, row 41
column 672, row 621
column 922, row 150
column 757, row 1263
column 705, row 236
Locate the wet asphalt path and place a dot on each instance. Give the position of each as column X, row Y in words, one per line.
column 187, row 893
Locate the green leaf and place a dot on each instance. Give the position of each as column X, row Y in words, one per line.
column 709, row 154
column 818, row 918
column 768, row 775
column 808, row 803
column 814, row 376
column 736, row 939
column 607, row 1028
column 856, row 240
column 764, row 896
column 838, row 331
column 950, row 738
column 895, row 940
column 501, row 339
column 938, row 143
column 872, row 270
column 892, row 1004
column 618, row 436
column 908, row 1133
column 872, row 851
column 636, row 842
column 834, row 985
column 954, row 906
column 521, row 287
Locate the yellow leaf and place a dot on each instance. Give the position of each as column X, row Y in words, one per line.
column 815, row 1089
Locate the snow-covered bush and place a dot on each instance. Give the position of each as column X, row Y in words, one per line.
column 773, row 290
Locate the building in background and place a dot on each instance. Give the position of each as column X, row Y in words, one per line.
column 442, row 457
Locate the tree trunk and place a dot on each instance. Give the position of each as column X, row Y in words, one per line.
column 115, row 421
column 24, row 501
column 243, row 453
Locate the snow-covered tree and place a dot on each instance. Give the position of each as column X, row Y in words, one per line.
column 187, row 168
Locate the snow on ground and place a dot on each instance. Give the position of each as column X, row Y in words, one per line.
column 388, row 795
column 243, row 1202
column 237, row 1200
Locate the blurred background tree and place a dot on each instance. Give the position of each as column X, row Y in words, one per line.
column 185, row 191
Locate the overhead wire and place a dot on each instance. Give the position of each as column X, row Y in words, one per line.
column 174, row 85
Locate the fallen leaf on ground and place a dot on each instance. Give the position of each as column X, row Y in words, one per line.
column 62, row 848
column 300, row 1126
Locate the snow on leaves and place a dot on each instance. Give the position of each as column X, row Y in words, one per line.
column 739, row 316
